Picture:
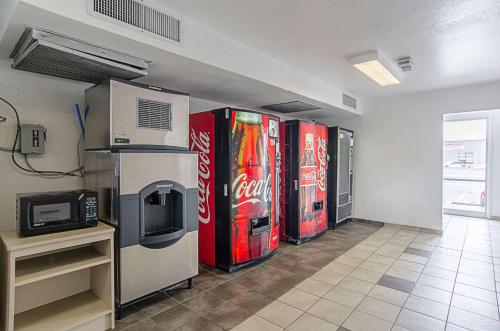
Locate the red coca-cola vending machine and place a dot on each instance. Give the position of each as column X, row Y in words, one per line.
column 239, row 165
column 303, row 186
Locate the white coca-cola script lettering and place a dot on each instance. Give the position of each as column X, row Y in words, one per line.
column 310, row 175
column 254, row 191
column 201, row 144
column 322, row 163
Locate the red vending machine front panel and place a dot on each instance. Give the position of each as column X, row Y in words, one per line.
column 283, row 183
column 254, row 232
column 303, row 198
column 312, row 179
column 202, row 140
column 321, row 192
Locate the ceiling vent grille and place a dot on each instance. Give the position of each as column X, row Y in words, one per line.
column 349, row 101
column 136, row 14
column 154, row 115
column 290, row 107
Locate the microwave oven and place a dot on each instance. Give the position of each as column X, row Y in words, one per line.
column 41, row 213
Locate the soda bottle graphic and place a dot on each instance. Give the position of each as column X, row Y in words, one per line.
column 308, row 181
column 250, row 188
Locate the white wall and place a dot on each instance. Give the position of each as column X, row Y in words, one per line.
column 398, row 151
column 50, row 102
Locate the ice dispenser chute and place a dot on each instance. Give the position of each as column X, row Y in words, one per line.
column 162, row 214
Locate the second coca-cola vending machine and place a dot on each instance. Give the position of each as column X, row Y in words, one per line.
column 303, row 185
column 239, row 165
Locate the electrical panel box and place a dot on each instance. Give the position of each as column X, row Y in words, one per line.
column 32, row 139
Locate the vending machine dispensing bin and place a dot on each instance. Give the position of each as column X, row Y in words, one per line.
column 303, row 196
column 238, row 182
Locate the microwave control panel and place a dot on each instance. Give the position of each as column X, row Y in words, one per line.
column 91, row 208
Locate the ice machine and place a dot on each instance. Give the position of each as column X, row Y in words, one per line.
column 150, row 197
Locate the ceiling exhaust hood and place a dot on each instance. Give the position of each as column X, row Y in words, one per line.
column 290, row 107
column 49, row 53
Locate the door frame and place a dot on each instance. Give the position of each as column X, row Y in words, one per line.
column 468, row 116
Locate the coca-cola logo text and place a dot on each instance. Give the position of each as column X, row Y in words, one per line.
column 201, row 144
column 322, row 163
column 253, row 191
column 310, row 175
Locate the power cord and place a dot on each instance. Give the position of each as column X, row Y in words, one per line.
column 43, row 173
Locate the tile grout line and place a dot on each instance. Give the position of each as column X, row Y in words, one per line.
column 494, row 270
column 456, row 274
column 409, row 294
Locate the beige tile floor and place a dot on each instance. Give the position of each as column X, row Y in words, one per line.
column 399, row 279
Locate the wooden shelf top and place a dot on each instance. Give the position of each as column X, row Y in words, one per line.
column 51, row 265
column 13, row 241
column 63, row 314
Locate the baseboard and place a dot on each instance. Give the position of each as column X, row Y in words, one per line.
column 495, row 218
column 363, row 220
column 401, row 226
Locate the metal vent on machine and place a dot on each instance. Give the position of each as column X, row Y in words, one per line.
column 154, row 115
column 49, row 53
column 290, row 107
column 135, row 13
column 349, row 101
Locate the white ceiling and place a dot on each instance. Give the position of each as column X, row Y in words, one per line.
column 452, row 42
column 206, row 64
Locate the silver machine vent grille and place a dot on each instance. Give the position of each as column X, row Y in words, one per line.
column 47, row 60
column 143, row 17
column 349, row 101
column 154, row 115
column 49, row 53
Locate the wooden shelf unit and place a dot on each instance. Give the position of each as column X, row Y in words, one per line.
column 48, row 266
column 70, row 312
column 58, row 281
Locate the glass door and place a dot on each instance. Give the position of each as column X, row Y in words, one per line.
column 465, row 159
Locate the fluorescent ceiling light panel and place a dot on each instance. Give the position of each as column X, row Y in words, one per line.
column 374, row 65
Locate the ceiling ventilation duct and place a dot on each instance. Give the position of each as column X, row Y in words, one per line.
column 349, row 101
column 138, row 15
column 49, row 53
column 290, row 107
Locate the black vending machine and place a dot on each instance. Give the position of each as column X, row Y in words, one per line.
column 340, row 175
